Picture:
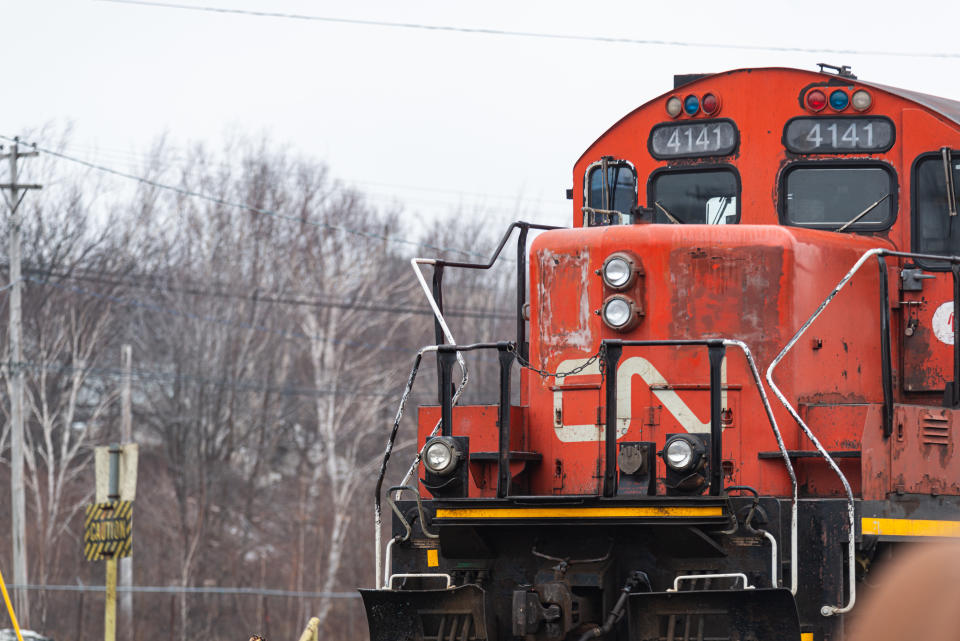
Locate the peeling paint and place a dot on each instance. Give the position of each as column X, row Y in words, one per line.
column 564, row 277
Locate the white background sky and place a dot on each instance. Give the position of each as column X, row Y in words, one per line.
column 431, row 120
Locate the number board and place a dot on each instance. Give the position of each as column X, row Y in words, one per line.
column 839, row 135
column 693, row 139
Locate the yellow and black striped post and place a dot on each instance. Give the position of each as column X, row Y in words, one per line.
column 108, row 535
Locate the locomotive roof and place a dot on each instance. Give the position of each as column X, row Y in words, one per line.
column 943, row 106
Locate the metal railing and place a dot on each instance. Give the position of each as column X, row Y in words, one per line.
column 506, row 353
column 953, row 390
column 716, row 347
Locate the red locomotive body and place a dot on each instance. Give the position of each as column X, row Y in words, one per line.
column 741, row 371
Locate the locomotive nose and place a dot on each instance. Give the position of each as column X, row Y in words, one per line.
column 754, row 283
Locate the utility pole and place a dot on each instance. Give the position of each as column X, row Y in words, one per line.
column 18, row 521
column 126, row 436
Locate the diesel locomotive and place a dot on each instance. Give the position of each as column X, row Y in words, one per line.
column 738, row 378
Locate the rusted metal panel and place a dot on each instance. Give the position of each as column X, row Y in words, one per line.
column 726, row 281
column 923, row 451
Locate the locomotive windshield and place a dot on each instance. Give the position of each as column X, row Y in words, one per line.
column 829, row 197
column 703, row 197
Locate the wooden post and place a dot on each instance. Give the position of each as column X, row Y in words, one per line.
column 17, row 503
column 110, row 610
column 110, row 605
column 127, row 627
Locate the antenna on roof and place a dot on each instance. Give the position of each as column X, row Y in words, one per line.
column 843, row 71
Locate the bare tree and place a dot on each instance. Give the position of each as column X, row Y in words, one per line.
column 358, row 357
column 271, row 345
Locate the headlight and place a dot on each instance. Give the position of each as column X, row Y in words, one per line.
column 619, row 313
column 440, row 456
column 619, row 270
column 616, row 312
column 681, row 454
column 685, row 456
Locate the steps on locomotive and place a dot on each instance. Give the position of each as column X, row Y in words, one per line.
column 447, row 614
column 704, row 613
column 768, row 614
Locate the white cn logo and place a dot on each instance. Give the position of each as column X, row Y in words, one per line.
column 628, row 369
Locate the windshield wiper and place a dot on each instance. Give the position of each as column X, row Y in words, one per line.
column 667, row 213
column 863, row 213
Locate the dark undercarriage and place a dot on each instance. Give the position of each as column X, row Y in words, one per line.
column 586, row 567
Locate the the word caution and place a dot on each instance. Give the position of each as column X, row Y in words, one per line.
column 108, row 530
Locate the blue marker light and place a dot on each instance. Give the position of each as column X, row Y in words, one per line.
column 691, row 105
column 839, row 100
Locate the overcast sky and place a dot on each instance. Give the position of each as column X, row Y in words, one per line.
column 432, row 120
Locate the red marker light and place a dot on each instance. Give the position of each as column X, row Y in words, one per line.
column 710, row 104
column 816, row 100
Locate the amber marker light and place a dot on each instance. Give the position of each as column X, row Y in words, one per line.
column 861, row 100
column 674, row 106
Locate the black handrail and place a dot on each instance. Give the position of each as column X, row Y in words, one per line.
column 439, row 264
column 955, row 268
column 612, row 349
column 447, row 355
column 886, row 374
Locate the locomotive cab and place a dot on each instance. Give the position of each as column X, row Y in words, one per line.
column 737, row 380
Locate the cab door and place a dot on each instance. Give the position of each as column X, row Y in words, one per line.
column 926, row 287
column 926, row 302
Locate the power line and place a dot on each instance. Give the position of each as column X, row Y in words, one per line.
column 173, row 589
column 534, row 34
column 133, row 158
column 236, row 205
column 132, row 302
column 141, row 374
column 224, row 322
column 104, row 278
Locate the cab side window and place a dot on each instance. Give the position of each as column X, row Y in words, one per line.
column 935, row 231
column 611, row 192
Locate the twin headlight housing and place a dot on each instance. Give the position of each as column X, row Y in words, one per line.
column 619, row 272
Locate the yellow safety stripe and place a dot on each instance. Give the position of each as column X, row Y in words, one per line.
column 910, row 527
column 574, row 512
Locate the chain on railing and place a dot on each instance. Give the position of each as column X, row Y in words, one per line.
column 545, row 373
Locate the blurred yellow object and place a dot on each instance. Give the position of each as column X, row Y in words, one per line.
column 6, row 599
column 311, row 633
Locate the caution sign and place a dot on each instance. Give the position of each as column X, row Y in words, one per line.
column 108, row 530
